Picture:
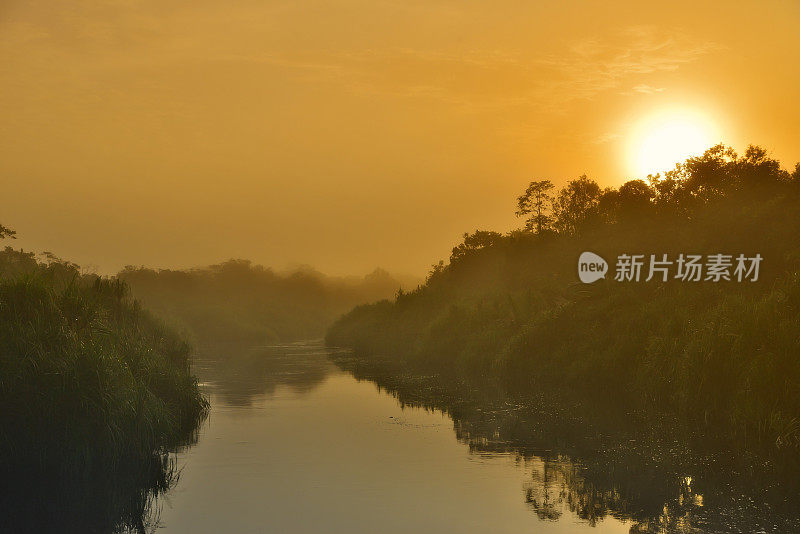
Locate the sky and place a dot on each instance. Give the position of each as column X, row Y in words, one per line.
column 353, row 134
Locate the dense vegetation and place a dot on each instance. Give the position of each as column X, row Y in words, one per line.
column 94, row 394
column 239, row 301
column 721, row 355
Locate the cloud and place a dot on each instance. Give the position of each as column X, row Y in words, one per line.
column 592, row 66
column 645, row 89
column 162, row 62
column 607, row 138
column 119, row 34
column 492, row 79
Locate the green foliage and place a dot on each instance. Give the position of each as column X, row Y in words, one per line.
column 722, row 355
column 95, row 393
column 86, row 376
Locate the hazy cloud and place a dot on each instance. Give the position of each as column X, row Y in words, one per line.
column 607, row 138
column 643, row 88
column 481, row 79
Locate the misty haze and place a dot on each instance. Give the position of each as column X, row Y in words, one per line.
column 391, row 267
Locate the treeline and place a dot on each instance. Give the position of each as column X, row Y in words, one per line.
column 94, row 392
column 238, row 301
column 719, row 354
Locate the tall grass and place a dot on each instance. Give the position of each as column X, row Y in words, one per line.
column 91, row 386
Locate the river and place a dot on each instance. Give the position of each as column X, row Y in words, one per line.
column 296, row 444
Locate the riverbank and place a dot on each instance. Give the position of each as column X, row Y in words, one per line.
column 720, row 355
column 95, row 394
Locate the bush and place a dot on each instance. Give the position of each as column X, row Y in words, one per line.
column 722, row 355
column 91, row 387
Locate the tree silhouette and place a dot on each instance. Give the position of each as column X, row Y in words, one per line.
column 7, row 232
column 632, row 201
column 476, row 241
column 575, row 204
column 718, row 174
column 536, row 201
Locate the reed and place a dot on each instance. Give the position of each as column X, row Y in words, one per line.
column 91, row 385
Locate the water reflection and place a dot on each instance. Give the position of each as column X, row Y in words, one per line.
column 294, row 444
column 240, row 374
column 297, row 444
column 129, row 497
column 593, row 465
column 119, row 498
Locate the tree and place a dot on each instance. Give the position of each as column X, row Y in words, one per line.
column 671, row 195
column 472, row 242
column 756, row 172
column 635, row 199
column 536, row 201
column 575, row 205
column 710, row 176
column 608, row 205
column 717, row 174
column 7, row 232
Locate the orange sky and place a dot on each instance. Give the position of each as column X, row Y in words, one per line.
column 353, row 134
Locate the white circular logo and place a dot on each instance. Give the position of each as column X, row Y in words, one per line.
column 591, row 267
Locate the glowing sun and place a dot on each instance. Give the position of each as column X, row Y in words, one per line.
column 661, row 140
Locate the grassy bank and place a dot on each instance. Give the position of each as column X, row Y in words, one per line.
column 93, row 390
column 719, row 355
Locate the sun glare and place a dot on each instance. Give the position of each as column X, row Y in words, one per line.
column 662, row 140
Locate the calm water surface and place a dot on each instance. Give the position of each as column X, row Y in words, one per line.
column 294, row 444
